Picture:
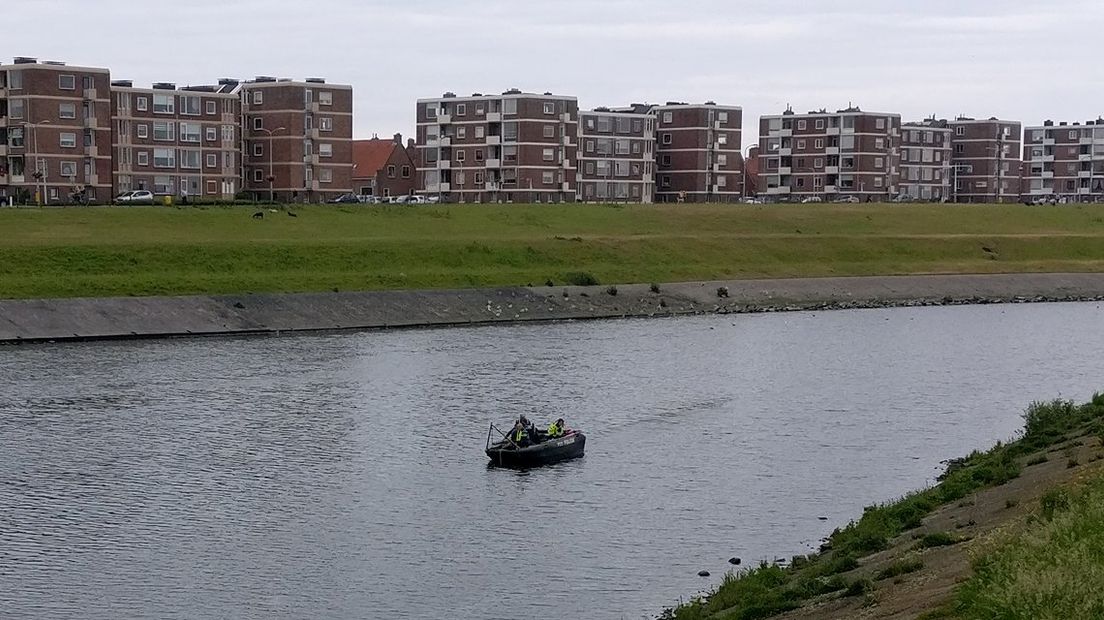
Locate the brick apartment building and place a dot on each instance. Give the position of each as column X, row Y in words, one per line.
column 298, row 138
column 925, row 160
column 180, row 142
column 1064, row 161
column 383, row 167
column 513, row 147
column 985, row 160
column 827, row 155
column 698, row 152
column 55, row 132
column 616, row 155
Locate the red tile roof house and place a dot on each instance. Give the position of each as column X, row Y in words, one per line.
column 383, row 167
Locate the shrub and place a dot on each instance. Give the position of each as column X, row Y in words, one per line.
column 1042, row 458
column 1071, row 463
column 900, row 567
column 549, row 282
column 611, row 291
column 654, row 288
column 937, row 539
column 581, row 278
column 1053, row 502
column 722, row 291
column 859, row 587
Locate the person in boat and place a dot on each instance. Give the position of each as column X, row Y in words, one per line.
column 556, row 429
column 519, row 434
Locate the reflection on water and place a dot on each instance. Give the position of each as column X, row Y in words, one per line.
column 338, row 476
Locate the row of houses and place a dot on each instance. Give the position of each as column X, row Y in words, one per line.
column 74, row 133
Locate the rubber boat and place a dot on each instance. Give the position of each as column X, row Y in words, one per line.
column 506, row 453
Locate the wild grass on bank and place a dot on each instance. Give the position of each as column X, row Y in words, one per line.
column 768, row 590
column 1053, row 570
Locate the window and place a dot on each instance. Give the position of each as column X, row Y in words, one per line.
column 877, row 181
column 143, row 158
column 509, row 106
column 879, row 123
column 190, row 105
column 325, row 124
column 478, row 155
column 406, row 171
column 461, row 132
column 68, row 168
column 212, row 108
column 258, row 149
column 325, row 175
column 212, row 134
column 258, row 97
column 479, row 111
column 621, row 147
column 549, row 131
column 548, row 154
column 666, row 138
column 665, row 160
column 590, row 146
column 665, row 181
column 212, row 160
column 879, row 143
column 15, row 80
column 820, row 123
column 960, row 148
column 143, row 130
column 325, row 150
column 879, row 162
column 258, row 175
column 478, row 175
column 67, row 140
column 960, row 130
column 459, row 157
column 548, row 178
column 818, row 163
column 15, row 108
column 722, row 117
column 549, row 107
column 461, row 109
column 67, row 82
column 480, row 132
column 667, row 119
column 819, row 143
column 431, row 110
column 164, row 158
column 189, row 132
column 164, row 131
column 623, row 125
column 164, row 104
column 390, row 171
column 141, row 104
column 801, row 125
column 801, row 145
column 589, row 167
column 621, row 168
column 258, row 123
column 189, row 159
column 801, row 181
column 325, row 97
column 636, row 148
column 67, row 110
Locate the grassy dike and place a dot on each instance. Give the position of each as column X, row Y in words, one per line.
column 91, row 252
column 920, row 557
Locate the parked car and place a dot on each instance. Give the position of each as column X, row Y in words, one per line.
column 751, row 200
column 811, row 199
column 139, row 196
column 846, row 199
column 366, row 198
column 345, row 199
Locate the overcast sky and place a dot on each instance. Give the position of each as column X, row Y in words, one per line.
column 1019, row 60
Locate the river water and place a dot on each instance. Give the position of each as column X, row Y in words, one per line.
column 342, row 475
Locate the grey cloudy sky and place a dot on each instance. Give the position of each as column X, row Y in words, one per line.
column 1015, row 59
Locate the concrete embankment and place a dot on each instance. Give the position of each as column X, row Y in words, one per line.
column 138, row 317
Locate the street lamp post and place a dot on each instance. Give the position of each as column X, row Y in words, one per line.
column 271, row 157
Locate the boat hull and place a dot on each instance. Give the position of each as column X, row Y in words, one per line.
column 544, row 453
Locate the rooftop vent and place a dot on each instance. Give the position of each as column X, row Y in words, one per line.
column 477, row 94
column 227, row 81
column 316, row 80
column 264, row 78
column 547, row 93
column 164, row 86
column 122, row 83
column 512, row 91
column 1061, row 123
column 601, row 109
column 710, row 103
column 448, row 95
column 24, row 60
column 54, row 63
column 1048, row 123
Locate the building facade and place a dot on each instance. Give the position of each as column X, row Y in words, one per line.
column 825, row 155
column 383, row 168
column 925, row 161
column 985, row 160
column 178, row 142
column 616, row 156
column 298, row 139
column 55, row 132
column 514, row 147
column 1064, row 161
column 698, row 153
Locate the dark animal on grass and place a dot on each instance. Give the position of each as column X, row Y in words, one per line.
column 988, row 250
column 258, row 215
column 293, row 214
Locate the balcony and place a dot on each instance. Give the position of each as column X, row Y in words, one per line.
column 832, row 131
column 229, row 118
column 494, row 117
column 494, row 139
column 444, row 164
column 90, row 122
column 493, row 163
column 831, row 150
column 315, row 185
column 565, row 117
column 718, row 125
column 90, row 93
column 444, row 119
column 1047, row 174
column 1085, row 157
column 1048, row 141
column 1084, row 174
column 3, row 121
column 443, row 187
column 445, row 141
column 491, row 186
column 315, row 107
column 830, row 189
column 1043, row 158
column 566, row 141
column 785, row 189
column 784, row 170
column 93, row 179
column 1088, row 140
column 314, row 135
column 3, row 150
column 1084, row 190
column 785, row 133
column 831, row 170
column 785, row 152
column 91, row 150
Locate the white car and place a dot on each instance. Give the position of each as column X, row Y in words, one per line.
column 140, row 196
column 752, row 201
column 846, row 199
column 811, row 199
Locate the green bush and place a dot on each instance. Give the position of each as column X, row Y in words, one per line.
column 938, row 539
column 581, row 278
column 1053, row 502
column 900, row 567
